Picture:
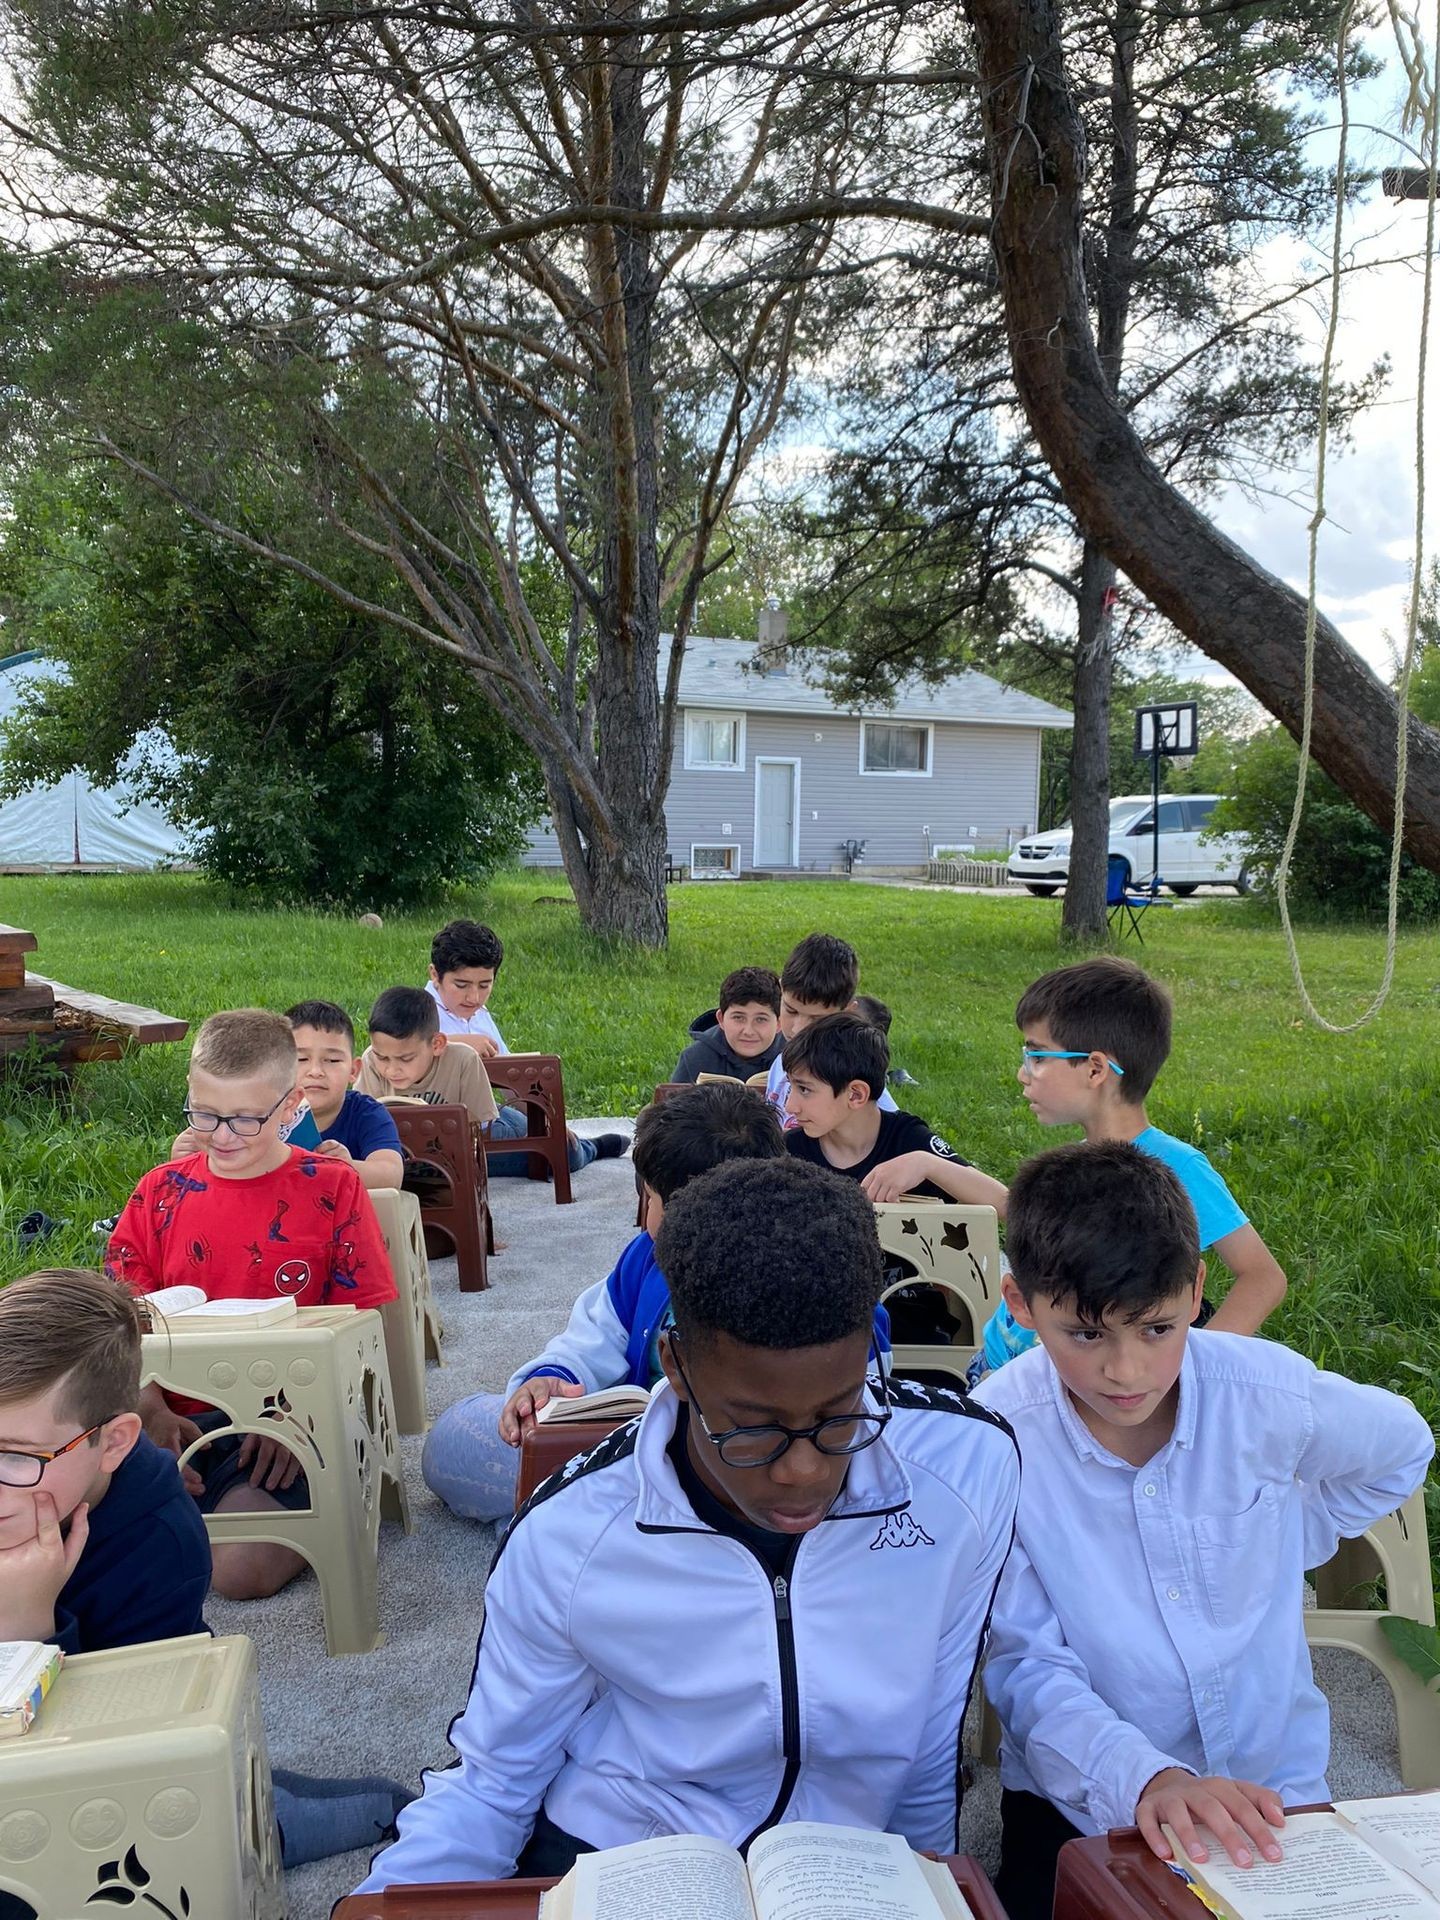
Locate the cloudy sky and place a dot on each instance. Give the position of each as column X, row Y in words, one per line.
column 1368, row 540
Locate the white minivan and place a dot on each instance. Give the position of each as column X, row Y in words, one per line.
column 1042, row 862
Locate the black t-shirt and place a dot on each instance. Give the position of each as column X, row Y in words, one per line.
column 899, row 1133
column 774, row 1549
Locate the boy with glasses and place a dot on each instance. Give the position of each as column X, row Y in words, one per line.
column 246, row 1218
column 1093, row 1038
column 683, row 1628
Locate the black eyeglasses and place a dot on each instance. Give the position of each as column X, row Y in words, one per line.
column 19, row 1469
column 758, row 1446
column 244, row 1126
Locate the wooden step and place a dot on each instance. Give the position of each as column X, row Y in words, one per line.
column 35, row 999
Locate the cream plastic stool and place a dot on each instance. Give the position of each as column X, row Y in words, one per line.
column 1398, row 1548
column 145, row 1775
column 412, row 1326
column 955, row 1249
column 320, row 1384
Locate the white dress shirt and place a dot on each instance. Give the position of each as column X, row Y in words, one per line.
column 1151, row 1617
column 478, row 1022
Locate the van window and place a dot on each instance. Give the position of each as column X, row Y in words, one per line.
column 1172, row 819
column 1197, row 813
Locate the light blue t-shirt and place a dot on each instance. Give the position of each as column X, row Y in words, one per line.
column 1216, row 1213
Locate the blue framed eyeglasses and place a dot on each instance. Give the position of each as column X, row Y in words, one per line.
column 1031, row 1054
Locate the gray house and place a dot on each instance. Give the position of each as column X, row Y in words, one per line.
column 770, row 774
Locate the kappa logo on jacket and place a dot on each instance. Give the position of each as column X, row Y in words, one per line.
column 900, row 1530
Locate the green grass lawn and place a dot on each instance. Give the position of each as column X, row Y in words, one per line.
column 1329, row 1143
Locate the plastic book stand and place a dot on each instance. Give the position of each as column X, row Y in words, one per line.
column 443, row 1137
column 320, row 1384
column 412, row 1326
column 955, row 1250
column 144, row 1785
column 534, row 1081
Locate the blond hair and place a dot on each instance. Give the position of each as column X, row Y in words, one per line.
column 247, row 1041
column 65, row 1324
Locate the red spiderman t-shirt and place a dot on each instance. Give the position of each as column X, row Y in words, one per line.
column 307, row 1230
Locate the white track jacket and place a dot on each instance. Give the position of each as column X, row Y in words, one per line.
column 643, row 1675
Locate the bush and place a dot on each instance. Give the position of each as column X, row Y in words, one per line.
column 1341, row 864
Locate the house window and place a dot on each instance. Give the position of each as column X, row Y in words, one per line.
column 887, row 747
column 715, row 741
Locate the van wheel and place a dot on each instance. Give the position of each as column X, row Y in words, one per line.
column 1040, row 893
column 1243, row 881
column 1182, row 888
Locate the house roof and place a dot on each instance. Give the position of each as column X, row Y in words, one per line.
column 722, row 673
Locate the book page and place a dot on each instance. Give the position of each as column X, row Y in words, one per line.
column 805, row 1870
column 660, row 1879
column 1328, row 1873
column 175, row 1299
column 1405, row 1828
column 619, row 1402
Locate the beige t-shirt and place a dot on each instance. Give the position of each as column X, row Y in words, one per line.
column 455, row 1079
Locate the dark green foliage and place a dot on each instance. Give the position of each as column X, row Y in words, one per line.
column 1340, row 869
column 318, row 755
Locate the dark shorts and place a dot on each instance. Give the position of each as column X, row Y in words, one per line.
column 218, row 1465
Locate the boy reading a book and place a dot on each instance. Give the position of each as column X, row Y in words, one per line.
column 1093, row 1038
column 820, row 977
column 410, row 1058
column 837, row 1068
column 611, row 1338
column 1148, row 1660
column 354, row 1126
column 681, row 1628
column 741, row 1036
column 465, row 960
column 247, row 1218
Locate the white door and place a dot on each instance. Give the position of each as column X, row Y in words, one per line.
column 775, row 812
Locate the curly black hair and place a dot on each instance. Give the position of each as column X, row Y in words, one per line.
column 691, row 1132
column 465, row 943
column 1101, row 1227
column 774, row 1253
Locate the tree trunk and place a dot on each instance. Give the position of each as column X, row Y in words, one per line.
column 1224, row 602
column 1083, row 916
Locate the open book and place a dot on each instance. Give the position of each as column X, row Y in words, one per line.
column 194, row 1306
column 804, row 1871
column 760, row 1080
column 1368, row 1860
column 610, row 1403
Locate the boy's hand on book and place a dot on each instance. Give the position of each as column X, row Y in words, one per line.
column 273, row 1467
column 33, row 1571
column 528, row 1398
column 1240, row 1814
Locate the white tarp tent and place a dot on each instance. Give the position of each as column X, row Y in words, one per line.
column 75, row 824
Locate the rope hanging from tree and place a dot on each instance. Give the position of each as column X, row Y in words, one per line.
column 1420, row 109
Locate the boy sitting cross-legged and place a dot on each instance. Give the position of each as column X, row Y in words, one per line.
column 820, row 977
column 613, row 1333
column 742, row 1036
column 247, row 1218
column 354, row 1126
column 837, row 1069
column 681, row 1628
column 1148, row 1659
column 465, row 960
column 1093, row 1038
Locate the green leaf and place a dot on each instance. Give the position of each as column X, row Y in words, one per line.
column 1417, row 1644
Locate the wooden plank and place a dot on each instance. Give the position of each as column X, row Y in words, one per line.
column 34, row 997
column 17, row 940
column 12, row 970
column 144, row 1024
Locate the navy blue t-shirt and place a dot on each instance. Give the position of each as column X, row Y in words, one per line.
column 145, row 1570
column 363, row 1126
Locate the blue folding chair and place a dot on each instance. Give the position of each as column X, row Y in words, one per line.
column 1129, row 902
